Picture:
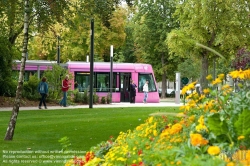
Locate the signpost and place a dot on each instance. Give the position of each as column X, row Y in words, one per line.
column 184, row 80
column 177, row 88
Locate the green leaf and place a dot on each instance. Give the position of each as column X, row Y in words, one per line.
column 216, row 125
column 242, row 125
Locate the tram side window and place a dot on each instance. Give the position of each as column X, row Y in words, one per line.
column 103, row 81
column 83, row 80
column 27, row 75
column 151, row 82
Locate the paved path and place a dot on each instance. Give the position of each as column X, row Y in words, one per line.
column 161, row 104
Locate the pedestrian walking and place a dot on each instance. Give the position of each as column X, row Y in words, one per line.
column 43, row 89
column 65, row 88
column 145, row 90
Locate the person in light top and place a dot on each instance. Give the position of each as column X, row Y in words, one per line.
column 145, row 90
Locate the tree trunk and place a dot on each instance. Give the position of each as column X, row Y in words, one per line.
column 164, row 75
column 204, row 71
column 12, row 123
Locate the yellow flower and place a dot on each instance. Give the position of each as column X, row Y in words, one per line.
column 230, row 164
column 213, row 150
column 202, row 97
column 155, row 133
column 201, row 127
column 191, row 85
column 234, row 74
column 209, row 105
column 224, row 87
column 176, row 128
column 247, row 74
column 213, row 111
column 121, row 159
column 221, row 76
column 216, row 81
column 248, row 156
column 197, row 140
column 241, row 74
column 139, row 128
column 206, row 91
column 241, row 137
column 178, row 163
column 209, row 77
column 237, row 74
column 184, row 90
column 150, row 120
column 201, row 120
column 192, row 118
column 185, row 107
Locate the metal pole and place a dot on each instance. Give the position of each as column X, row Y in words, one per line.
column 177, row 88
column 58, row 50
column 111, row 72
column 91, row 64
column 87, row 58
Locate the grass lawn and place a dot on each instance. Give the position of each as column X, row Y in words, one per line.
column 37, row 132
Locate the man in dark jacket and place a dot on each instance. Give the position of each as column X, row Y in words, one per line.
column 132, row 91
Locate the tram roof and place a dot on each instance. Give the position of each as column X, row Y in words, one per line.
column 77, row 64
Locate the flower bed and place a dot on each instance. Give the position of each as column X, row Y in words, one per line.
column 213, row 130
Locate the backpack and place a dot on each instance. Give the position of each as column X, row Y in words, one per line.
column 41, row 88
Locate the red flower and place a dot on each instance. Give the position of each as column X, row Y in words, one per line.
column 140, row 152
column 78, row 161
column 89, row 156
column 141, row 163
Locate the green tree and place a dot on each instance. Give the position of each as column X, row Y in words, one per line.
column 153, row 22
column 41, row 13
column 12, row 123
column 74, row 34
column 190, row 68
column 219, row 25
column 44, row 14
column 54, row 78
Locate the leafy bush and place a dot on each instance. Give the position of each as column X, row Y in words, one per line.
column 54, row 79
column 30, row 88
column 85, row 97
column 78, row 97
column 10, row 87
column 213, row 129
column 103, row 100
column 108, row 98
column 95, row 98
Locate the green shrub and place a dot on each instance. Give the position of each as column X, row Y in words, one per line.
column 103, row 100
column 85, row 99
column 95, row 98
column 10, row 87
column 30, row 88
column 78, row 97
column 108, row 98
column 54, row 79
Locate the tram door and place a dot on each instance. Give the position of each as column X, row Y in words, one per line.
column 125, row 83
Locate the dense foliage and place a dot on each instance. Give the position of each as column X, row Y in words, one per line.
column 212, row 130
column 162, row 33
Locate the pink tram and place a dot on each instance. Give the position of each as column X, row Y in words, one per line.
column 122, row 74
